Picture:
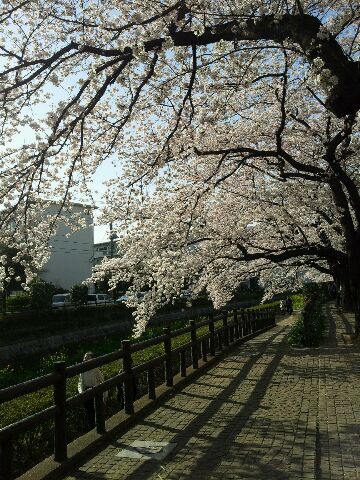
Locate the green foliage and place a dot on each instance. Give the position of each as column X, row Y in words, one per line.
column 6, row 376
column 296, row 334
column 46, row 364
column 298, row 301
column 262, row 306
column 18, row 303
column 41, row 294
column 309, row 328
column 79, row 294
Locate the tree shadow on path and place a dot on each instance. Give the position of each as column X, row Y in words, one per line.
column 207, row 455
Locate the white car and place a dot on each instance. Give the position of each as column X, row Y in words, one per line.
column 186, row 294
column 61, row 300
column 125, row 298
column 98, row 299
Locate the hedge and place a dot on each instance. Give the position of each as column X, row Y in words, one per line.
column 15, row 327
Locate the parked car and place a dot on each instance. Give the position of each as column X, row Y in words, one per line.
column 186, row 294
column 98, row 299
column 61, row 300
column 125, row 298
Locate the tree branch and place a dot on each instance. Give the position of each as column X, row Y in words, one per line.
column 342, row 99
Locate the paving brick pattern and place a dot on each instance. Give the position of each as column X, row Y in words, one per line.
column 266, row 411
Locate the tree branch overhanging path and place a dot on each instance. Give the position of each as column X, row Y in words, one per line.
column 239, row 120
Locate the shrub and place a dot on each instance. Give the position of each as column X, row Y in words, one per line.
column 309, row 328
column 18, row 303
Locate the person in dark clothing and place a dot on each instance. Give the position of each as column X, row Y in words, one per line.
column 289, row 305
column 332, row 289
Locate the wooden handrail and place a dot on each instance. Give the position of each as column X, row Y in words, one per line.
column 30, row 386
column 135, row 347
column 242, row 325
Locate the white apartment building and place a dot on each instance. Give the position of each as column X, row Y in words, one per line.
column 72, row 254
column 105, row 249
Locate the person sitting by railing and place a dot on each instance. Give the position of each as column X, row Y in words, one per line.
column 90, row 379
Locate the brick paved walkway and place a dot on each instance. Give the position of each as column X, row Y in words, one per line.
column 264, row 412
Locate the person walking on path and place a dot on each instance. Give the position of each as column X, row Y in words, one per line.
column 90, row 379
column 282, row 306
column 289, row 306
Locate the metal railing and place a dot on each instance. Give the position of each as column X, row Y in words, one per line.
column 242, row 324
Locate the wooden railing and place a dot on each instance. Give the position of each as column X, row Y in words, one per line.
column 242, row 324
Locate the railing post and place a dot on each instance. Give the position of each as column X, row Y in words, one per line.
column 253, row 321
column 231, row 331
column 6, row 457
column 183, row 363
column 100, row 414
column 261, row 319
column 60, row 443
column 212, row 335
column 151, row 383
column 256, row 320
column 226, row 329
column 204, row 349
column 128, row 380
column 242, row 323
column 194, row 347
column 236, row 325
column 245, row 322
column 248, row 322
column 169, row 380
column 220, row 340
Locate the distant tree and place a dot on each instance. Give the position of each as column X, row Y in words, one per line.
column 79, row 294
column 40, row 293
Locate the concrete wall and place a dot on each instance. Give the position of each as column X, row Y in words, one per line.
column 72, row 256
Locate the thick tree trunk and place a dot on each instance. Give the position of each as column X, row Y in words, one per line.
column 353, row 280
column 346, row 295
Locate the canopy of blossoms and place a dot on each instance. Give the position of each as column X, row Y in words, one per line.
column 236, row 125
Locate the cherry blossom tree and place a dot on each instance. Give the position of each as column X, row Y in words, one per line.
column 236, row 124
